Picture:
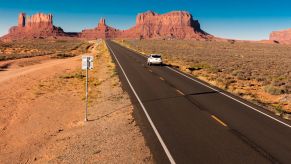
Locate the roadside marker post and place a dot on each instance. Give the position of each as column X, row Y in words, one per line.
column 87, row 64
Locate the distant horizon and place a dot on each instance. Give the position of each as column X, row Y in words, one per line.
column 241, row 20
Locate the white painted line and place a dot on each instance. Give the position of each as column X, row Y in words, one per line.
column 146, row 113
column 230, row 97
column 180, row 92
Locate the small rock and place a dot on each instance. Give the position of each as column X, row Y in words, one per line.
column 60, row 130
column 97, row 152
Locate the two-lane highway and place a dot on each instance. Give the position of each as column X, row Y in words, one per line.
column 198, row 123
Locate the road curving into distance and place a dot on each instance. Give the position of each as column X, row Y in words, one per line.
column 194, row 122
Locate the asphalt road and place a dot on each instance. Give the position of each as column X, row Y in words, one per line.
column 194, row 122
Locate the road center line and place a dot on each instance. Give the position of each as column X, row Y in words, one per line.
column 171, row 159
column 218, row 120
column 180, row 92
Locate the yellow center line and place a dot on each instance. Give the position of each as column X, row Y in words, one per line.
column 180, row 92
column 218, row 120
column 162, row 78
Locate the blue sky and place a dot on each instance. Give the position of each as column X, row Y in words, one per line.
column 240, row 19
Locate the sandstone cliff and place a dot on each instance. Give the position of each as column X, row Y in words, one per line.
column 36, row 26
column 283, row 36
column 173, row 25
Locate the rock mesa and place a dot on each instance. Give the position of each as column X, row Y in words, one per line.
column 175, row 25
column 36, row 26
column 283, row 36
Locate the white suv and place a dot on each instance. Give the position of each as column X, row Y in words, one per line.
column 154, row 59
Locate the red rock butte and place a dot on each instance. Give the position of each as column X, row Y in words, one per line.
column 283, row 36
column 172, row 25
column 36, row 26
column 101, row 31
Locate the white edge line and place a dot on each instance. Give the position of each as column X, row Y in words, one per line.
column 146, row 113
column 230, row 97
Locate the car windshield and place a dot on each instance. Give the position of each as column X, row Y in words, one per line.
column 156, row 56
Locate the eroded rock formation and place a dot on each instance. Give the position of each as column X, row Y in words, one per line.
column 36, row 26
column 101, row 31
column 175, row 25
column 283, row 36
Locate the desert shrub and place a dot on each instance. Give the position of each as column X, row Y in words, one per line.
column 241, row 76
column 231, row 41
column 230, row 81
column 63, row 55
column 273, row 90
column 221, row 80
column 235, row 73
column 2, row 57
column 214, row 70
column 279, row 81
column 260, row 78
column 198, row 66
column 288, row 89
column 72, row 76
column 278, row 108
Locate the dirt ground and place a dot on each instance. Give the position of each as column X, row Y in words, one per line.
column 42, row 114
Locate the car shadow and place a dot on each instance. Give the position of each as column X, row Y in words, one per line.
column 170, row 65
column 166, row 65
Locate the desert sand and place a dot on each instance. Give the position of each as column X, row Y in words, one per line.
column 42, row 114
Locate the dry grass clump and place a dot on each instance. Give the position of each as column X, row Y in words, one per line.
column 31, row 48
column 77, row 75
column 260, row 72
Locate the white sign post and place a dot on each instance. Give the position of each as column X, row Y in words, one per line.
column 87, row 63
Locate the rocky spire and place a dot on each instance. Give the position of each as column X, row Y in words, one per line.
column 21, row 20
column 36, row 26
column 102, row 22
